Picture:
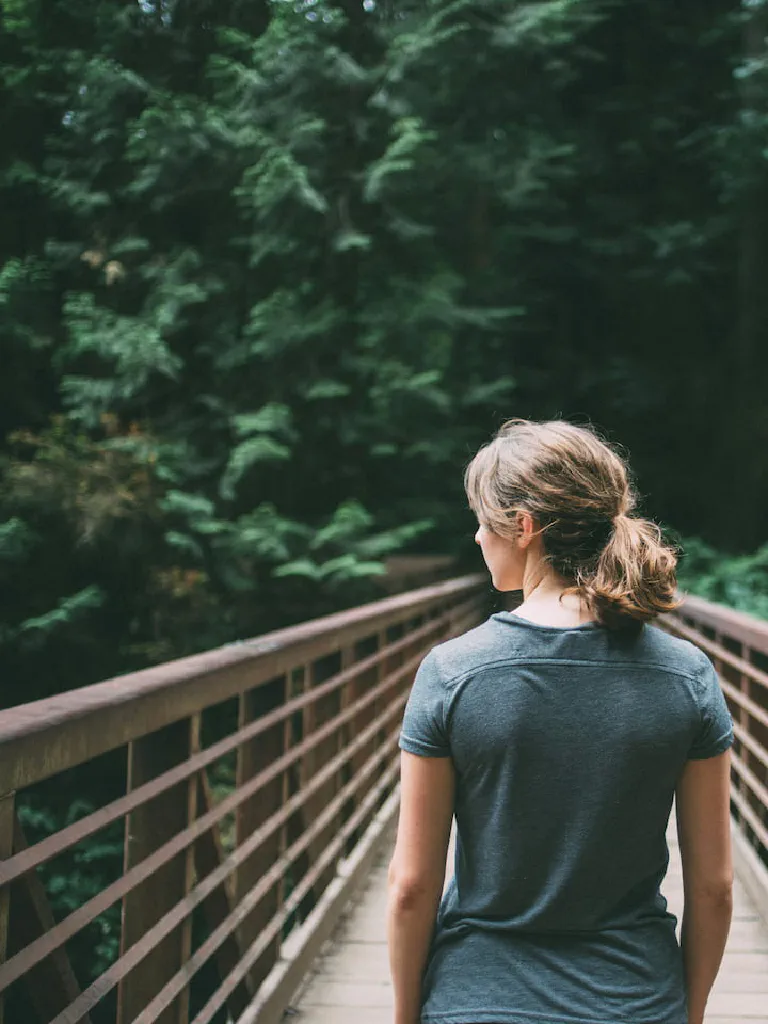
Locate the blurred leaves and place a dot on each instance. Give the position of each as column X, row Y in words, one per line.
column 271, row 273
column 740, row 582
column 67, row 609
column 267, row 280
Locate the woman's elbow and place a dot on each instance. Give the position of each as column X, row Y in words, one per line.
column 407, row 890
column 714, row 891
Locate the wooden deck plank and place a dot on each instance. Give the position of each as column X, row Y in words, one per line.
column 350, row 983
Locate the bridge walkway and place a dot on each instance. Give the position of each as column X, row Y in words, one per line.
column 349, row 982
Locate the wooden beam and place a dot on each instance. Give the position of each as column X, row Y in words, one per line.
column 39, row 740
column 219, row 905
column 253, row 757
column 149, row 827
column 7, row 821
column 51, row 985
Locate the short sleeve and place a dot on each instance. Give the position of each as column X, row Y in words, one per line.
column 423, row 730
column 715, row 732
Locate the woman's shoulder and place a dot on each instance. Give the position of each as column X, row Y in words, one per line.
column 469, row 651
column 673, row 652
column 490, row 643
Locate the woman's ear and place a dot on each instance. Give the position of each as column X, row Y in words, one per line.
column 526, row 528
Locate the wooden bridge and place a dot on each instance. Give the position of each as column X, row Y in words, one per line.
column 250, row 794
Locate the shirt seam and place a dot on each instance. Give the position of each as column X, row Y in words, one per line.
column 421, row 744
column 589, row 662
column 722, row 744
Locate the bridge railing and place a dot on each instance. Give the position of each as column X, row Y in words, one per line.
column 251, row 781
column 738, row 646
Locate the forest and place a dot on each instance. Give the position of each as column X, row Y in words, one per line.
column 271, row 270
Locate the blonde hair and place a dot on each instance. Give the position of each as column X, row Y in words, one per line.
column 577, row 488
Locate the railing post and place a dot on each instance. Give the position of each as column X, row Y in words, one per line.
column 189, row 867
column 252, row 758
column 760, row 731
column 51, row 985
column 362, row 684
column 387, row 666
column 7, row 817
column 740, row 715
column 209, row 854
column 317, row 714
column 292, row 689
column 147, row 828
column 293, row 781
column 346, row 734
column 744, row 722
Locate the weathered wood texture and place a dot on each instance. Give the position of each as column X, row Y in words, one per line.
column 149, row 827
column 51, row 984
column 46, row 737
column 254, row 757
column 305, row 754
column 737, row 644
column 303, row 726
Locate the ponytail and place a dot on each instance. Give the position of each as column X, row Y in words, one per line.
column 634, row 579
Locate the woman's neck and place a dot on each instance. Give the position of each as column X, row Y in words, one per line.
column 547, row 604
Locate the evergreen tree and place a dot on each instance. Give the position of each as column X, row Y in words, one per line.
column 270, row 272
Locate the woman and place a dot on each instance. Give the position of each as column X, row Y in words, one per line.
column 558, row 735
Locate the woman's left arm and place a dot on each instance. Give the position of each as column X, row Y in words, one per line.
column 417, row 873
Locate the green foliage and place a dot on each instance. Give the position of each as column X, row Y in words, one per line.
column 67, row 609
column 260, row 431
column 400, row 157
column 92, row 482
column 740, row 582
column 74, row 878
column 348, row 531
column 272, row 247
column 134, row 348
column 546, row 25
column 286, row 266
column 15, row 539
column 271, row 271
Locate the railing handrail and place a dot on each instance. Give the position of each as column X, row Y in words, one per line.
column 48, row 736
column 741, row 626
column 737, row 645
column 241, row 818
column 308, row 763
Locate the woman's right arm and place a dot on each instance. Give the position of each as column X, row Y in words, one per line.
column 704, row 832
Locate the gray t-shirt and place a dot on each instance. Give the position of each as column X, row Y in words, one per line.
column 567, row 745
